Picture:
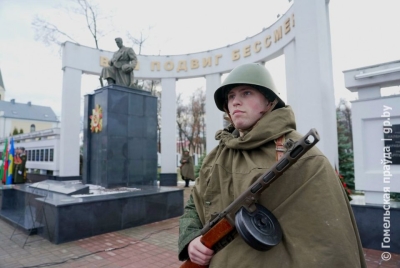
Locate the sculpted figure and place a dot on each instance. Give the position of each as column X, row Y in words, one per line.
column 120, row 71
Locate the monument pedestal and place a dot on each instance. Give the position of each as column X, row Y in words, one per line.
column 371, row 222
column 120, row 149
column 60, row 213
column 168, row 179
column 120, row 137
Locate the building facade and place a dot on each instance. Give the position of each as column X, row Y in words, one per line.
column 25, row 118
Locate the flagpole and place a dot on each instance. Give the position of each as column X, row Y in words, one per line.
column 4, row 164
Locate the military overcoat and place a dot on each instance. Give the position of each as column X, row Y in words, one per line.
column 319, row 229
column 187, row 167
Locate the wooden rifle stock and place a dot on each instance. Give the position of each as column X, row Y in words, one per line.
column 224, row 222
column 209, row 239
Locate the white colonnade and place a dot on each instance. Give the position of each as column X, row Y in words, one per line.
column 301, row 34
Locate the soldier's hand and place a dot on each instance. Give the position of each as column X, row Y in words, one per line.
column 198, row 253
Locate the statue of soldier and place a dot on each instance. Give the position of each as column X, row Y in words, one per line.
column 120, row 71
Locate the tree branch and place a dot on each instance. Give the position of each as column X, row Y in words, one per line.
column 47, row 32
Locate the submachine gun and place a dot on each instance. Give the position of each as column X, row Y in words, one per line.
column 258, row 227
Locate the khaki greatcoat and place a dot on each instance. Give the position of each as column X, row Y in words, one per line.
column 319, row 229
column 187, row 167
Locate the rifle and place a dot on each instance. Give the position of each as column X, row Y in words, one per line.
column 244, row 207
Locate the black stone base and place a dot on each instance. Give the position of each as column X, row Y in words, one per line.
column 370, row 222
column 168, row 179
column 32, row 178
column 20, row 209
column 66, row 218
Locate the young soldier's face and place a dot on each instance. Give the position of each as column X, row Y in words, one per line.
column 246, row 106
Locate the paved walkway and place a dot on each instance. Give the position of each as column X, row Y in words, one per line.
column 147, row 246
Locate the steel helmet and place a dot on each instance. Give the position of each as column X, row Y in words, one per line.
column 253, row 74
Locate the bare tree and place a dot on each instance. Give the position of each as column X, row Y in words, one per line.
column 49, row 33
column 344, row 118
column 197, row 102
column 139, row 42
column 158, row 93
column 181, row 121
column 91, row 14
column 148, row 85
column 190, row 122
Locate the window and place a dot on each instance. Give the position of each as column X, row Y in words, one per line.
column 51, row 154
column 33, row 128
column 46, row 155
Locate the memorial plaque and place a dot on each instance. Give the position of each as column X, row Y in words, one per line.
column 392, row 140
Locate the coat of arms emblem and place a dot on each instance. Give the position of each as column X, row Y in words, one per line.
column 96, row 123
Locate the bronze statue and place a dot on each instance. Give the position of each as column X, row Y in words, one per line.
column 120, row 71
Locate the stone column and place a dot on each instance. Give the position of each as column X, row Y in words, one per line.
column 312, row 95
column 168, row 176
column 70, row 123
column 214, row 117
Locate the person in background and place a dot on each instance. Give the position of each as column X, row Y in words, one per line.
column 187, row 167
column 19, row 166
column 308, row 200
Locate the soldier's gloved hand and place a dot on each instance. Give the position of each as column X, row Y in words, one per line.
column 198, row 253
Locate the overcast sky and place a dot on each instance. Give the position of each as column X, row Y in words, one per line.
column 363, row 32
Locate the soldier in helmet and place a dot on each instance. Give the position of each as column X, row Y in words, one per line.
column 187, row 167
column 308, row 200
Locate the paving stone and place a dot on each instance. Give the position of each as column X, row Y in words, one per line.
column 148, row 246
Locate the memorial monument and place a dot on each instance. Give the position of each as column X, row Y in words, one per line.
column 119, row 158
column 120, row 137
column 121, row 66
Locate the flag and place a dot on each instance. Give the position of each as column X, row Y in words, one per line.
column 11, row 153
column 3, row 168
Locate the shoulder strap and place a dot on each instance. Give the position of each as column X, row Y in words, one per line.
column 280, row 148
